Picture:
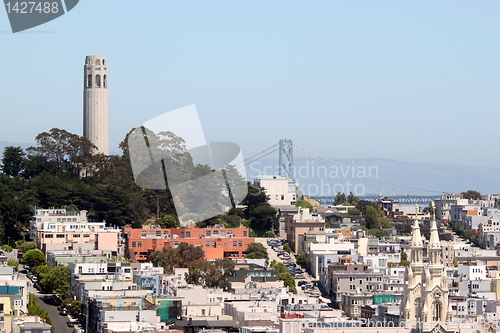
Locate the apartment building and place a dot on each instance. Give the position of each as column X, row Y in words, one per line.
column 59, row 229
column 217, row 242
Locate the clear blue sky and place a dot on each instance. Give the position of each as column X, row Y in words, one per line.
column 412, row 81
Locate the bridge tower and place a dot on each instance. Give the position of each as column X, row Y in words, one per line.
column 286, row 158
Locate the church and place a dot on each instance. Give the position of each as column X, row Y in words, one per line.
column 425, row 304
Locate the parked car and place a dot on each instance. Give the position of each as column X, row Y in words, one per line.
column 70, row 324
column 302, row 282
column 63, row 313
column 299, row 276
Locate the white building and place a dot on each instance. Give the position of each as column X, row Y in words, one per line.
column 281, row 191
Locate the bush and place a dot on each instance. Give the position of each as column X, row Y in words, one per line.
column 12, row 262
column 6, row 248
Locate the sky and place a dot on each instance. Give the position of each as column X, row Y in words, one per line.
column 413, row 81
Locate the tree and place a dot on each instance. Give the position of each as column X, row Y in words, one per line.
column 339, row 199
column 76, row 308
column 27, row 246
column 287, row 248
column 302, row 259
column 279, row 268
column 205, row 274
column 304, row 204
column 168, row 221
column 256, row 251
column 429, row 210
column 61, row 150
column 182, row 256
column 57, row 279
column 12, row 262
column 34, row 258
column 288, row 281
column 471, row 194
column 13, row 161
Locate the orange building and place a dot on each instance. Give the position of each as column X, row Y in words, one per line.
column 217, row 242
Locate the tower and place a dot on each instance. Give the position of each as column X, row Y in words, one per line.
column 95, row 103
column 425, row 300
column 286, row 158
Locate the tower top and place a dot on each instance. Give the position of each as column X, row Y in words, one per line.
column 416, row 237
column 95, row 60
column 434, row 238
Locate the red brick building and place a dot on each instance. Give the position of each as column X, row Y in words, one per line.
column 216, row 242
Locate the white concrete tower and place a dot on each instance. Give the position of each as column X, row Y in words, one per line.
column 95, row 103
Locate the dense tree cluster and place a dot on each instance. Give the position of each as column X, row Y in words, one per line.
column 282, row 272
column 54, row 279
column 373, row 216
column 256, row 251
column 258, row 212
column 201, row 272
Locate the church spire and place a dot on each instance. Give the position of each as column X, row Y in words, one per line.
column 434, row 239
column 416, row 237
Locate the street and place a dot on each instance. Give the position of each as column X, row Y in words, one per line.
column 59, row 322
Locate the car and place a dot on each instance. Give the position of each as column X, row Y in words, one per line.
column 302, row 282
column 60, row 308
column 299, row 276
column 63, row 313
column 70, row 324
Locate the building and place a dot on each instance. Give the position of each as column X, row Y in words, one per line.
column 301, row 223
column 281, row 191
column 95, row 102
column 59, row 229
column 425, row 297
column 217, row 242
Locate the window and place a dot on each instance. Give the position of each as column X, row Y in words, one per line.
column 143, row 233
column 240, row 243
column 139, row 244
column 158, row 232
column 89, row 83
column 105, row 84
column 208, row 233
column 202, row 312
column 17, row 303
column 245, row 233
column 60, row 235
column 352, row 287
column 182, row 234
column 165, row 232
column 216, row 232
column 86, row 235
column 188, row 234
column 207, row 243
column 76, row 236
column 49, row 236
column 134, row 244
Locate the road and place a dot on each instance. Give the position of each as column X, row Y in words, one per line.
column 274, row 256
column 59, row 322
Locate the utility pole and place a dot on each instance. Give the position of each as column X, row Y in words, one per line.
column 157, row 208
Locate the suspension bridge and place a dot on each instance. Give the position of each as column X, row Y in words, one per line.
column 322, row 178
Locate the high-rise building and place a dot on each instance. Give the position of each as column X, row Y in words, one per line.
column 95, row 103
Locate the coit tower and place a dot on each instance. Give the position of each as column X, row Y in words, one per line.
column 95, row 103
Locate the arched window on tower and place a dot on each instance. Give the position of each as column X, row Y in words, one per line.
column 436, row 311
column 417, row 306
column 98, row 81
column 103, row 62
column 97, row 62
column 104, row 81
column 89, row 81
